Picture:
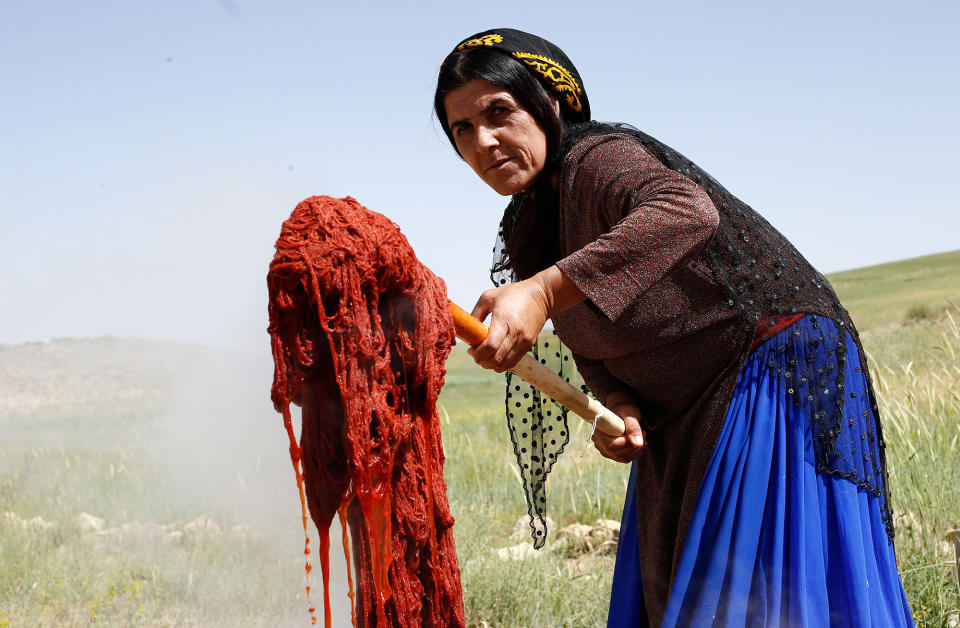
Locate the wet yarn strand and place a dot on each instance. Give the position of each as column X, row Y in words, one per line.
column 360, row 331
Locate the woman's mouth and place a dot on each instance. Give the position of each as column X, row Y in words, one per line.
column 498, row 164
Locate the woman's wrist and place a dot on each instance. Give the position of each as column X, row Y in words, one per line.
column 559, row 292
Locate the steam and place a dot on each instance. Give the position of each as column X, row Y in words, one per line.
column 226, row 455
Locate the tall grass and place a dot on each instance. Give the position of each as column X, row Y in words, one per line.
column 917, row 375
column 543, row 588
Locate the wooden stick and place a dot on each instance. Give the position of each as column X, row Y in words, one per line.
column 473, row 332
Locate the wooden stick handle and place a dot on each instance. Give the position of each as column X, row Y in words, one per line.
column 472, row 331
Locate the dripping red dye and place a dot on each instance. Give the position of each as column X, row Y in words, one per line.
column 360, row 331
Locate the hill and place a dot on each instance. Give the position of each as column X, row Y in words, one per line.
column 897, row 292
column 100, row 378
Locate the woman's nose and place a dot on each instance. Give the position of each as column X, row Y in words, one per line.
column 486, row 137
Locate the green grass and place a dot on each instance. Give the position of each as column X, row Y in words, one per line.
column 914, row 289
column 148, row 464
column 546, row 588
column 920, row 402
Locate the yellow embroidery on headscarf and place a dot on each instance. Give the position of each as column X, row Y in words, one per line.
column 561, row 79
column 486, row 40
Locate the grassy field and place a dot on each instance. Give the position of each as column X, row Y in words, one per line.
column 137, row 492
column 906, row 291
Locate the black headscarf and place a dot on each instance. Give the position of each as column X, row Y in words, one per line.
column 545, row 61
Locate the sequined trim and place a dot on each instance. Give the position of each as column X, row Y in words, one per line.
column 810, row 359
column 559, row 77
column 770, row 327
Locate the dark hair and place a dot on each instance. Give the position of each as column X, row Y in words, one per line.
column 502, row 70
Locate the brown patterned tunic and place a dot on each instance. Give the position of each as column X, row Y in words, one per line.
column 641, row 242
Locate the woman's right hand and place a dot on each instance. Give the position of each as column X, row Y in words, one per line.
column 517, row 312
column 631, row 444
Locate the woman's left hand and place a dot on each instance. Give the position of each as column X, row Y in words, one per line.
column 630, row 445
column 517, row 312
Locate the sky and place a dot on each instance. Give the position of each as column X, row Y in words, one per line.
column 150, row 151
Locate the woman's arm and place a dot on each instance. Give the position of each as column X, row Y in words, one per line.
column 639, row 221
column 629, row 221
column 634, row 222
column 518, row 313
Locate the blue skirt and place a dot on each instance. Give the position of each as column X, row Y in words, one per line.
column 772, row 541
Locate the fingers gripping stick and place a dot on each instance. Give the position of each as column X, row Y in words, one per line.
column 473, row 332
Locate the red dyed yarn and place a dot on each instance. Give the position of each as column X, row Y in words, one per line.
column 360, row 331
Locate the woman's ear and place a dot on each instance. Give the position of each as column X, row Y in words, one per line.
column 556, row 105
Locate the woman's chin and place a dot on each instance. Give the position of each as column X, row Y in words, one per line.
column 508, row 187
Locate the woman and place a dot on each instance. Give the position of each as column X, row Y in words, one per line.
column 759, row 489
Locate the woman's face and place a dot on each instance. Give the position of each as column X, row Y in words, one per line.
column 500, row 140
